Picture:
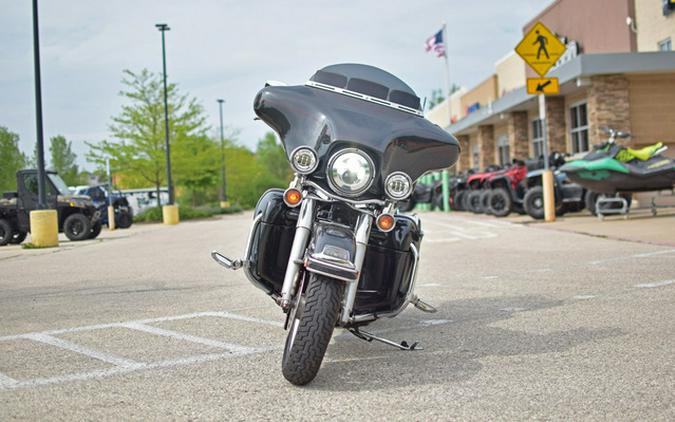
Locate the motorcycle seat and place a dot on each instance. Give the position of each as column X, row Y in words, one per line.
column 642, row 154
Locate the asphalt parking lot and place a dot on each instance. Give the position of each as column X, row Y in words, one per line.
column 532, row 323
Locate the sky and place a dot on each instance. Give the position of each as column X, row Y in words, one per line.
column 228, row 49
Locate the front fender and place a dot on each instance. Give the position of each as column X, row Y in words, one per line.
column 331, row 252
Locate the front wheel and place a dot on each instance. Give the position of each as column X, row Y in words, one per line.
column 77, row 227
column 311, row 329
column 500, row 202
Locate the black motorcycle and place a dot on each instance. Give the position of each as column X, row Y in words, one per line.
column 331, row 250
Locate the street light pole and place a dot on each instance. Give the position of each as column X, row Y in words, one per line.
column 167, row 147
column 42, row 191
column 223, row 185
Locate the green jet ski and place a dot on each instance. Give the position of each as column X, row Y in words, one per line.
column 611, row 168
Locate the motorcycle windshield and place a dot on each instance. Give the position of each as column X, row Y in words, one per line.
column 358, row 106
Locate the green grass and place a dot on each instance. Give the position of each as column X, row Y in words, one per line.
column 154, row 215
column 28, row 245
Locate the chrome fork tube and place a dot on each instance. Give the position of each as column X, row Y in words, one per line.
column 303, row 230
column 361, row 235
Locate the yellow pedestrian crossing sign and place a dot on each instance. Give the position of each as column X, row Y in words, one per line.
column 540, row 48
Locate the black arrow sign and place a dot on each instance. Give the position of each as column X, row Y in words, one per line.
column 540, row 86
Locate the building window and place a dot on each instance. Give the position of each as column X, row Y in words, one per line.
column 503, row 150
column 537, row 138
column 475, row 156
column 579, row 128
column 666, row 45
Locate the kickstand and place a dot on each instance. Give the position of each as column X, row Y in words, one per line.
column 363, row 335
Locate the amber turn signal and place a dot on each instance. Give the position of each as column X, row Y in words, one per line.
column 292, row 197
column 385, row 222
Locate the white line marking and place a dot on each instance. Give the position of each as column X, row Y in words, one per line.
column 235, row 348
column 490, row 277
column 656, row 284
column 224, row 314
column 6, row 381
column 125, row 370
column 539, row 270
column 583, row 297
column 65, row 344
column 428, row 285
column 640, row 255
column 428, row 322
column 146, row 321
column 445, row 240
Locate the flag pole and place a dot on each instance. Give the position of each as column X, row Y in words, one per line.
column 447, row 71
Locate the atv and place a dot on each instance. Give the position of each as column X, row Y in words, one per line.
column 124, row 216
column 505, row 191
column 569, row 196
column 78, row 218
column 476, row 198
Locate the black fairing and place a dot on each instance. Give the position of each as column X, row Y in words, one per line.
column 326, row 121
column 387, row 270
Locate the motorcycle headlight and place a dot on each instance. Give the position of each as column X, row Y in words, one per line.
column 304, row 160
column 398, row 186
column 350, row 172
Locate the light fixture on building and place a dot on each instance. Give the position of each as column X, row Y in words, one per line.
column 631, row 24
column 583, row 82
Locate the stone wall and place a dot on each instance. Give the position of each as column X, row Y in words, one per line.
column 518, row 135
column 556, row 127
column 608, row 105
column 486, row 142
column 464, row 162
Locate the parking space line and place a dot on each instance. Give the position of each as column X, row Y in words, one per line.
column 65, row 344
column 640, row 255
column 234, row 348
column 222, row 314
column 228, row 315
column 656, row 284
column 6, row 381
column 118, row 370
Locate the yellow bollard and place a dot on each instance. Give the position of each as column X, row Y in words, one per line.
column 549, row 196
column 111, row 218
column 44, row 228
column 224, row 204
column 170, row 214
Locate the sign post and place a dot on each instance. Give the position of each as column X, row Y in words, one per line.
column 541, row 49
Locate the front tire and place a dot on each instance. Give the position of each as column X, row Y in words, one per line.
column 473, row 202
column 500, row 202
column 77, row 227
column 311, row 329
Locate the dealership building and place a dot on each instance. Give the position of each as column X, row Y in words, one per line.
column 618, row 71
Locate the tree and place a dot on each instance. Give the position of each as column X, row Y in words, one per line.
column 437, row 96
column 63, row 160
column 138, row 151
column 272, row 157
column 11, row 159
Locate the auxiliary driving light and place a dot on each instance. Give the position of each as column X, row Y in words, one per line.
column 292, row 197
column 303, row 160
column 398, row 186
column 385, row 222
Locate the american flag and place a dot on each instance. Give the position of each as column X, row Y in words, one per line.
column 435, row 43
